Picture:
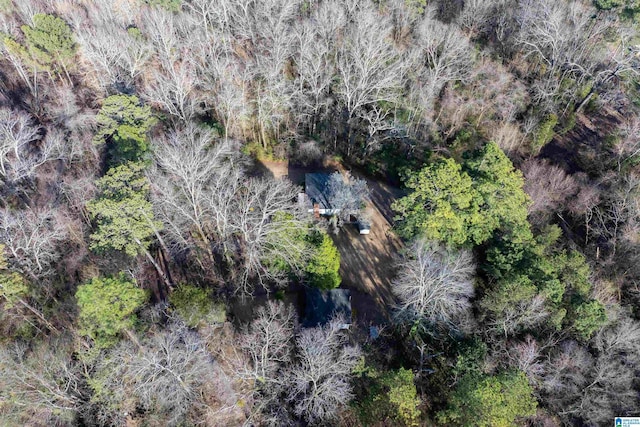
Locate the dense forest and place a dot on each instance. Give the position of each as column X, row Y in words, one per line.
column 137, row 213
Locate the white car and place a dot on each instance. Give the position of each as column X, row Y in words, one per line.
column 364, row 226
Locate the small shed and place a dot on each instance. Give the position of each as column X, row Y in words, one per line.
column 321, row 306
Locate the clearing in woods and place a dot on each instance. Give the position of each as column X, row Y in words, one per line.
column 367, row 261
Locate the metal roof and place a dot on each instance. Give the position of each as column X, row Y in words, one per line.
column 316, row 186
column 321, row 306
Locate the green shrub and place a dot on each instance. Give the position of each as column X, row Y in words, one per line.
column 607, row 4
column 392, row 397
column 107, row 307
column 257, row 151
column 545, row 132
column 490, row 401
column 170, row 5
column 416, row 7
column 195, row 305
column 322, row 270
column 13, row 286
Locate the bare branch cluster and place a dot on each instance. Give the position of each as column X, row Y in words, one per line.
column 434, row 284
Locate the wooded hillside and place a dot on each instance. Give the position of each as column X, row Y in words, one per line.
column 153, row 267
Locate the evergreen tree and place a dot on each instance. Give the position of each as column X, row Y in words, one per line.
column 442, row 206
column 466, row 205
column 490, row 401
column 122, row 212
column 107, row 307
column 49, row 43
column 124, row 122
column 502, row 202
column 322, row 270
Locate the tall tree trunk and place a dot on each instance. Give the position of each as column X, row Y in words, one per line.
column 585, row 100
column 163, row 276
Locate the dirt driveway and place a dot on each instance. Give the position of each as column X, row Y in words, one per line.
column 366, row 260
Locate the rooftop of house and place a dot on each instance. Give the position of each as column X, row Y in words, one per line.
column 316, row 186
column 321, row 306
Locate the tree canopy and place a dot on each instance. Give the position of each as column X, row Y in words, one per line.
column 124, row 122
column 153, row 230
column 390, row 396
column 441, row 205
column 122, row 212
column 322, row 269
column 49, row 42
column 490, row 401
column 107, row 308
column 464, row 204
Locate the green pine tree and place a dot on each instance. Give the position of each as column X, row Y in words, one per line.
column 490, row 401
column 442, row 205
column 322, row 270
column 107, row 308
column 124, row 122
column 122, row 212
column 49, row 44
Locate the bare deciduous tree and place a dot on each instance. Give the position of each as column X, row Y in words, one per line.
column 191, row 170
column 594, row 388
column 434, row 284
column 318, row 385
column 206, row 12
column 347, row 194
column 268, row 343
column 17, row 153
column 628, row 145
column 618, row 218
column 369, row 66
column 509, row 138
column 565, row 374
column 621, row 338
column 315, row 72
column 569, row 42
column 103, row 47
column 229, row 86
column 267, row 348
column 521, row 315
column 165, row 374
column 266, row 224
column 31, row 239
column 526, row 356
column 175, row 90
column 442, row 55
column 207, row 201
column 548, row 186
column 40, row 386
column 476, row 15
